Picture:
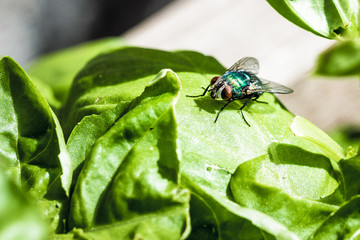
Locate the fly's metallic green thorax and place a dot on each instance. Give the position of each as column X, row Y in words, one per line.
column 238, row 80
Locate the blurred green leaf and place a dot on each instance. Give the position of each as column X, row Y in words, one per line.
column 342, row 59
column 18, row 218
column 330, row 19
column 350, row 169
column 57, row 70
column 348, row 137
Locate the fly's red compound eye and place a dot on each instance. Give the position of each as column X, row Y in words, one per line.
column 214, row 79
column 226, row 93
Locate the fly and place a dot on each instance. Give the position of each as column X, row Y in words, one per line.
column 240, row 81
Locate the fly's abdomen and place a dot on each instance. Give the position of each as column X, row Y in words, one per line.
column 237, row 80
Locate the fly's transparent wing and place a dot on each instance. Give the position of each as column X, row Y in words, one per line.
column 273, row 87
column 248, row 64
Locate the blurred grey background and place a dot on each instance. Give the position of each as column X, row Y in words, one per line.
column 29, row 28
column 225, row 29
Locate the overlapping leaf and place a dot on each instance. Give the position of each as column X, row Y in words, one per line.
column 132, row 170
column 32, row 145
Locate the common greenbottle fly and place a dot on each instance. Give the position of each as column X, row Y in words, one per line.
column 240, row 82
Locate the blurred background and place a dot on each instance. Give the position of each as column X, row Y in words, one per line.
column 225, row 29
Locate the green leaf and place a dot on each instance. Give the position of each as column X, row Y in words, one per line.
column 305, row 129
column 140, row 176
column 216, row 217
column 342, row 59
column 350, row 169
column 54, row 73
column 329, row 19
column 342, row 224
column 286, row 184
column 348, row 136
column 87, row 131
column 32, row 142
column 116, row 78
column 147, row 180
column 104, row 97
column 119, row 76
column 149, row 227
column 18, row 218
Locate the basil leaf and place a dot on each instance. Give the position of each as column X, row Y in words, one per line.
column 306, row 130
column 146, row 186
column 350, row 169
column 342, row 224
column 288, row 183
column 18, row 218
column 119, row 76
column 330, row 19
column 342, row 59
column 141, row 174
column 32, row 143
column 217, row 217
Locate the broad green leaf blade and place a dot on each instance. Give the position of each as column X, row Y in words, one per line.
column 146, row 183
column 142, row 227
column 270, row 227
column 350, row 169
column 286, row 184
column 120, row 76
column 9, row 133
column 342, row 59
column 342, row 224
column 305, row 129
column 56, row 71
column 329, row 19
column 216, row 217
column 18, row 218
column 115, row 145
column 204, row 222
column 37, row 157
column 87, row 131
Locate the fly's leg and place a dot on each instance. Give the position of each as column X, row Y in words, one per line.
column 227, row 103
column 242, row 107
column 206, row 89
column 260, row 101
column 255, row 99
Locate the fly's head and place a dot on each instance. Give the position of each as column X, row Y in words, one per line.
column 220, row 90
